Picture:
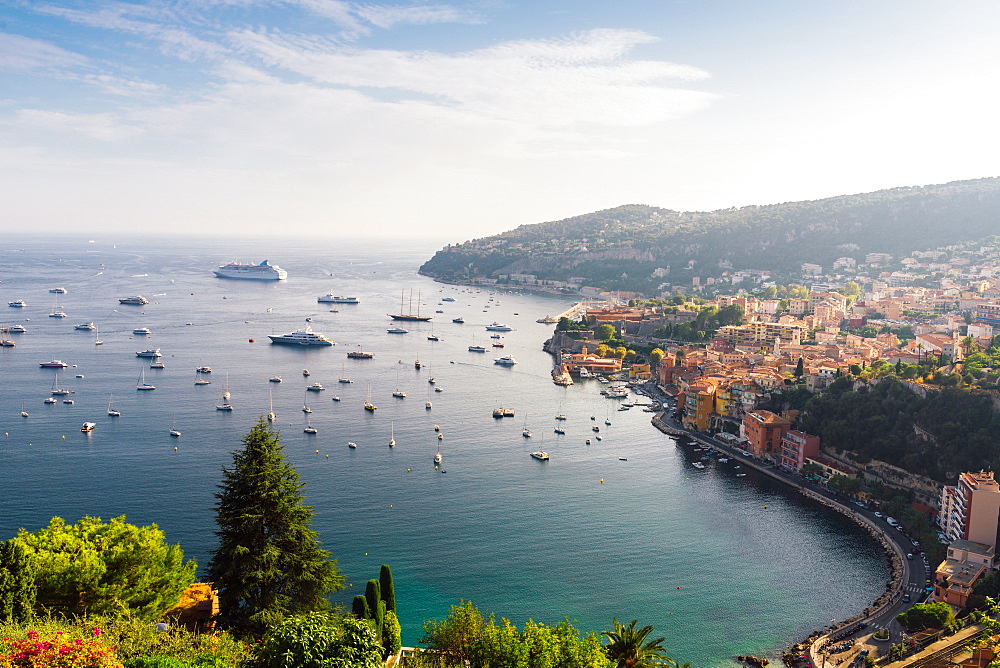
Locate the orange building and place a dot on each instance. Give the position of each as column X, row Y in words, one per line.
column 764, row 431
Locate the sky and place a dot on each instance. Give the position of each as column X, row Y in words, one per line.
column 456, row 120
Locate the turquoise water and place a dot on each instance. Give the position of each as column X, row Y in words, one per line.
column 720, row 565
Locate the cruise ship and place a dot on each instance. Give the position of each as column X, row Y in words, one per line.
column 303, row 338
column 265, row 271
column 333, row 299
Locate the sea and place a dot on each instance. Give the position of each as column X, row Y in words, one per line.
column 623, row 527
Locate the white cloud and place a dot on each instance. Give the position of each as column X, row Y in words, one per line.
column 389, row 16
column 19, row 53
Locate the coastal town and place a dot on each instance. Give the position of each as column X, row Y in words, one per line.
column 859, row 330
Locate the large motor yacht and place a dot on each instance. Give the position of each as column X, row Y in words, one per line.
column 265, row 271
column 305, row 337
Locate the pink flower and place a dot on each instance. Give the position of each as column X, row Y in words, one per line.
column 97, row 630
column 32, row 634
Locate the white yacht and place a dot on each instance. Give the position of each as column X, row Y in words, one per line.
column 54, row 364
column 316, row 387
column 89, row 326
column 305, row 337
column 397, row 330
column 17, row 328
column 142, row 331
column 151, row 352
column 506, row 360
column 265, row 271
column 333, row 299
column 137, row 300
column 58, row 291
column 17, row 303
column 540, row 455
column 498, row 327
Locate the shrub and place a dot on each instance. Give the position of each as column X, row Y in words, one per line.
column 319, row 640
column 57, row 650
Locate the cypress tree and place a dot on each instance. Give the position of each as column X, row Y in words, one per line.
column 360, row 607
column 17, row 583
column 388, row 588
column 269, row 562
column 373, row 592
column 800, row 368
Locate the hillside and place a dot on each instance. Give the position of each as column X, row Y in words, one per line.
column 622, row 248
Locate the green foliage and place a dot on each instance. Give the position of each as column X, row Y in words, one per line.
column 467, row 638
column 93, row 567
column 800, row 368
column 391, row 634
column 17, row 583
column 926, row 616
column 388, row 588
column 878, row 423
column 605, row 332
column 655, row 355
column 269, row 562
column 373, row 594
column 359, row 607
column 319, row 640
column 162, row 661
column 629, row 647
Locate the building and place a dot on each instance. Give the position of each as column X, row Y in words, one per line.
column 796, row 448
column 758, row 334
column 967, row 562
column 764, row 431
column 988, row 314
column 970, row 510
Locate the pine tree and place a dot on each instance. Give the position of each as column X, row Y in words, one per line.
column 269, row 562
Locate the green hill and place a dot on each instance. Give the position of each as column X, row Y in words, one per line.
column 622, row 248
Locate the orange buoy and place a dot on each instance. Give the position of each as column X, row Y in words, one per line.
column 251, row 340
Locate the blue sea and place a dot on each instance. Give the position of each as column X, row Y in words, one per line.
column 720, row 565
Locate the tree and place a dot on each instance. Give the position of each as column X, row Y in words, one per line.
column 655, row 355
column 926, row 616
column 388, row 587
column 319, row 640
column 811, row 469
column 629, row 647
column 269, row 562
column 93, row 567
column 17, row 583
column 606, row 332
column 800, row 368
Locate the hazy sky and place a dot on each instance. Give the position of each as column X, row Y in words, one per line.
column 467, row 118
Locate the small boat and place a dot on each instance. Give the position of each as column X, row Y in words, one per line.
column 343, row 376
column 437, row 457
column 24, row 413
column 560, row 417
column 598, row 438
column 271, row 417
column 460, row 321
column 137, row 300
column 495, row 336
column 399, row 394
column 607, row 422
column 540, row 455
column 175, row 433
column 88, row 326
column 157, row 365
column 498, row 345
column 97, row 337
column 437, row 428
column 440, row 437
column 431, row 380
column 526, row 433
column 274, row 379
column 697, row 465
column 625, row 459
column 335, row 398
column 225, row 405
column 392, row 434
column 587, row 442
column 142, row 331
column 201, row 380
column 506, row 360
column 17, row 303
column 360, row 355
column 477, row 349
column 58, row 291
column 111, row 407
column 369, row 406
column 53, row 364
column 305, row 372
column 7, row 343
column 58, row 314
column 438, row 389
column 18, row 328
column 67, row 401
column 50, row 400
column 203, row 369
column 595, row 428
column 397, row 330
column 433, row 337
column 149, row 352
column 316, row 387
column 559, row 431
column 309, row 429
column 88, row 426
column 417, row 364
column 352, row 445
column 142, row 384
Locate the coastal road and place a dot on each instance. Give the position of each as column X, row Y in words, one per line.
column 915, row 571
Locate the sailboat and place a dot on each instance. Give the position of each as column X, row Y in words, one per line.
column 173, row 428
column 432, row 336
column 142, row 384
column 309, row 429
column 225, row 405
column 111, row 407
column 24, row 413
column 97, row 337
column 409, row 316
column 398, row 393
column 55, row 387
column 369, row 406
column 343, row 376
column 392, row 434
column 526, row 432
column 200, row 379
column 437, row 455
column 305, row 403
column 271, row 417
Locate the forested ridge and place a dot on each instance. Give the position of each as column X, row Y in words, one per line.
column 636, row 240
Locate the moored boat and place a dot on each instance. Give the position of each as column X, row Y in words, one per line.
column 265, row 271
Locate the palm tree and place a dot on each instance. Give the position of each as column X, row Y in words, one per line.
column 628, row 647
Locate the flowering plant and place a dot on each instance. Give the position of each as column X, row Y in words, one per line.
column 62, row 650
